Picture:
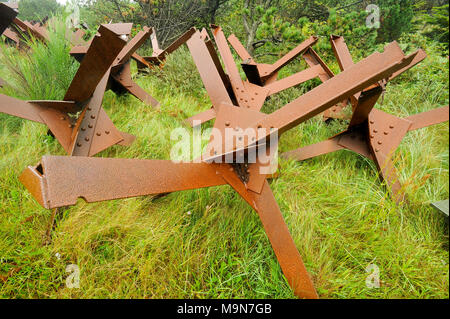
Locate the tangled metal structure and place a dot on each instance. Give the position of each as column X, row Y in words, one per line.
column 243, row 159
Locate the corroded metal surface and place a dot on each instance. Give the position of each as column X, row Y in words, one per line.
column 92, row 131
column 60, row 181
column 263, row 74
column 223, row 87
column 120, row 80
column 373, row 133
column 99, row 58
column 158, row 56
column 7, row 16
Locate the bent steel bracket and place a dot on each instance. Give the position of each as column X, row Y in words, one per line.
column 79, row 123
column 120, row 78
column 60, row 181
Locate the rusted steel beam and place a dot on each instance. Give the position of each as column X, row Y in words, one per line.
column 261, row 74
column 56, row 182
column 120, row 28
column 370, row 70
column 266, row 75
column 12, row 38
column 120, row 78
column 27, row 27
column 99, row 58
column 7, row 16
column 76, row 37
column 60, row 181
column 375, row 135
column 230, row 87
column 158, row 56
column 317, row 68
column 92, row 131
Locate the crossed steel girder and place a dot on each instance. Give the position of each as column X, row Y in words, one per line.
column 376, row 138
column 7, row 15
column 16, row 30
column 263, row 74
column 222, row 86
column 159, row 56
column 373, row 133
column 266, row 74
column 92, row 131
column 60, row 181
column 243, row 93
column 120, row 80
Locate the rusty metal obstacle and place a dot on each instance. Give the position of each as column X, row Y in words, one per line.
column 59, row 181
column 7, row 16
column 265, row 75
column 79, row 122
column 120, row 80
column 159, row 55
column 373, row 133
column 17, row 31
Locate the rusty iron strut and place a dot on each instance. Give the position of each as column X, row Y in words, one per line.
column 159, row 55
column 79, row 122
column 17, row 31
column 373, row 133
column 261, row 75
column 7, row 16
column 60, row 181
column 120, row 80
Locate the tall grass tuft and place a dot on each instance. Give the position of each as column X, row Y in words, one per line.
column 43, row 72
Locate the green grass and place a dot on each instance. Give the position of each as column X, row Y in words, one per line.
column 209, row 243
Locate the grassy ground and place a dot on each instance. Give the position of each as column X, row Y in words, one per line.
column 208, row 243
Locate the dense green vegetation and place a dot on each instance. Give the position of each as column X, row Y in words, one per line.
column 209, row 243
